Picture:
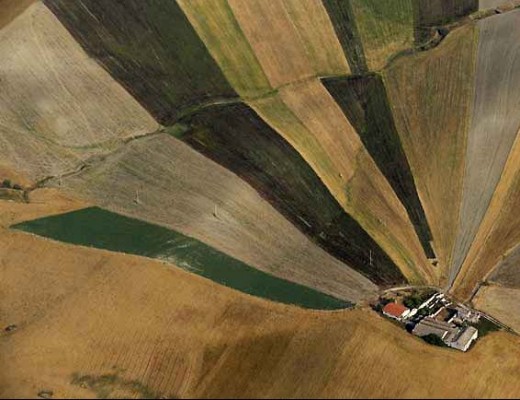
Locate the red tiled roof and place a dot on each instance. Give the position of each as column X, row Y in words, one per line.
column 394, row 309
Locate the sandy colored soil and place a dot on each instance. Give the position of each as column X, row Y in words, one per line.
column 179, row 188
column 216, row 25
column 495, row 123
column 93, row 323
column 500, row 302
column 43, row 202
column 274, row 39
column 385, row 28
column 318, row 112
column 421, row 107
column 347, row 170
column 317, row 34
column 48, row 102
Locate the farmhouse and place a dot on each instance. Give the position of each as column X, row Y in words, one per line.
column 452, row 335
column 464, row 339
column 430, row 326
column 396, row 311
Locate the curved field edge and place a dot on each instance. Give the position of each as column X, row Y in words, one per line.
column 53, row 111
column 385, row 28
column 95, row 227
column 80, row 323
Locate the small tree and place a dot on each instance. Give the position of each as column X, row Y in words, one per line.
column 434, row 340
column 6, row 183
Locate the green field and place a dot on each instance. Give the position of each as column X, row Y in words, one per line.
column 385, row 28
column 96, row 227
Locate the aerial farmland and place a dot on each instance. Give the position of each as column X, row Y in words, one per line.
column 259, row 199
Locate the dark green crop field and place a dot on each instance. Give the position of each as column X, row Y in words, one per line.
column 237, row 138
column 148, row 46
column 103, row 229
column 342, row 17
column 365, row 103
column 429, row 13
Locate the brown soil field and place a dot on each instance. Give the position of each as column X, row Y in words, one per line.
column 98, row 324
column 420, row 107
column 274, row 38
column 345, row 167
column 48, row 102
column 179, row 188
column 10, row 9
column 500, row 302
column 494, row 124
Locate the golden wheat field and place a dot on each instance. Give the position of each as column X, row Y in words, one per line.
column 259, row 199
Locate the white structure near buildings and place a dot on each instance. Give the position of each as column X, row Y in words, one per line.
column 464, row 340
column 452, row 335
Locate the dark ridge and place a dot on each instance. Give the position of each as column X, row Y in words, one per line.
column 364, row 101
column 431, row 13
column 342, row 17
column 237, row 138
column 150, row 48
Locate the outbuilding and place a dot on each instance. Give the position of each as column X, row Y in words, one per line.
column 464, row 340
column 396, row 311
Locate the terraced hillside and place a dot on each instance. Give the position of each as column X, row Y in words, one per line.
column 174, row 165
